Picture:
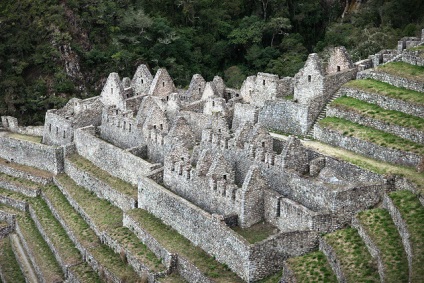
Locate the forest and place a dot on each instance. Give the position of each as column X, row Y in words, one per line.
column 51, row 51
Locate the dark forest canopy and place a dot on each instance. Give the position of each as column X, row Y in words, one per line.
column 231, row 38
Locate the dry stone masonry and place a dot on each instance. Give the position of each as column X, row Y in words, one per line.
column 204, row 162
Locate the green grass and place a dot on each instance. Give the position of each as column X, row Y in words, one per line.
column 104, row 215
column 176, row 243
column 312, row 267
column 130, row 241
column 388, row 90
column 404, row 70
column 8, row 263
column 60, row 240
column 417, row 48
column 35, row 139
column 380, row 227
column 20, row 182
column 173, row 278
column 275, row 278
column 355, row 261
column 102, row 175
column 412, row 212
column 373, row 111
column 14, row 195
column 85, row 273
column 41, row 251
column 111, row 261
column 24, row 168
column 109, row 218
column 378, row 137
column 73, row 220
column 257, row 232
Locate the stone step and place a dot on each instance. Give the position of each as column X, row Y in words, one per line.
column 106, row 222
column 407, row 213
column 104, row 185
column 25, row 172
column 312, row 267
column 349, row 257
column 10, row 270
column 384, row 243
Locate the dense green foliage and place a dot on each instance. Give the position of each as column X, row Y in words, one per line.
column 231, row 38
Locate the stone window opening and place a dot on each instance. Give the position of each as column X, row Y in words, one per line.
column 167, row 98
column 57, row 130
column 116, row 111
column 219, row 130
column 64, row 134
column 111, row 90
column 213, row 103
column 182, row 158
column 237, row 95
column 309, row 78
column 129, row 129
column 7, row 123
column 278, row 207
column 224, row 191
column 50, row 127
column 125, row 125
column 161, row 126
column 233, row 196
column 224, row 177
column 338, row 68
column 263, row 82
column 142, row 81
column 200, row 89
column 163, row 84
column 154, row 127
column 263, row 144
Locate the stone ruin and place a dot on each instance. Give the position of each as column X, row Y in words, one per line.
column 218, row 165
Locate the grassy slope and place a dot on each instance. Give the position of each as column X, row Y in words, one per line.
column 312, row 267
column 385, row 89
column 356, row 263
column 378, row 137
column 380, row 227
column 373, row 111
column 412, row 212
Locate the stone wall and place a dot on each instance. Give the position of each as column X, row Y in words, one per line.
column 244, row 113
column 413, row 57
column 385, row 154
column 19, row 188
column 372, row 248
column 393, row 80
column 332, row 259
column 110, row 158
column 401, row 227
column 211, row 234
column 11, row 124
column 100, row 188
column 384, row 101
column 41, row 156
column 288, row 274
column 284, row 115
column 24, row 175
column 411, row 134
column 17, row 204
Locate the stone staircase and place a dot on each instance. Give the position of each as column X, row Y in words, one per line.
column 321, row 115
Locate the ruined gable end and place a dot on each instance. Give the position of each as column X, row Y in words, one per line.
column 309, row 81
column 142, row 80
column 252, row 198
column 162, row 84
column 339, row 61
column 113, row 92
column 294, row 156
column 196, row 87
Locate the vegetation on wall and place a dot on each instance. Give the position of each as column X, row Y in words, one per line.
column 231, row 38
